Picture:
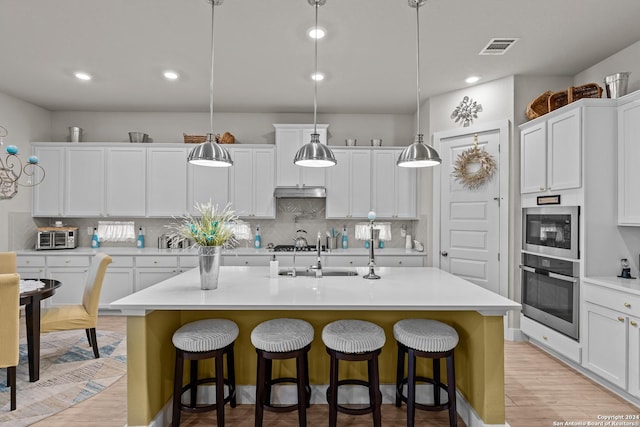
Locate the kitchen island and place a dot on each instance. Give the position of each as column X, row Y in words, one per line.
column 248, row 296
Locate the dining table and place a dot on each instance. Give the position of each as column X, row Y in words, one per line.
column 31, row 298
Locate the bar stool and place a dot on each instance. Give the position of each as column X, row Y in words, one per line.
column 280, row 339
column 204, row 339
column 354, row 340
column 431, row 339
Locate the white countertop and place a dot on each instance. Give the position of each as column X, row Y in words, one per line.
column 132, row 251
column 251, row 288
column 618, row 283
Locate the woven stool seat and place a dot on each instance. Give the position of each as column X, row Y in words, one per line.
column 425, row 335
column 282, row 335
column 205, row 335
column 353, row 336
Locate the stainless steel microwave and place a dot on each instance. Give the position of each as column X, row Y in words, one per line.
column 552, row 230
column 57, row 238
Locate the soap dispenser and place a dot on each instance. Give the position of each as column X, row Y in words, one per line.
column 95, row 242
column 140, row 242
column 257, row 243
column 345, row 239
column 273, row 267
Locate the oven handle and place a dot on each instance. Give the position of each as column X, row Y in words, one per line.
column 550, row 274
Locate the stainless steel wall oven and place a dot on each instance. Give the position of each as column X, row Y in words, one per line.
column 551, row 291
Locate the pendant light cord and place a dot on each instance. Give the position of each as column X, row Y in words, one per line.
column 315, row 76
column 417, row 68
column 213, row 7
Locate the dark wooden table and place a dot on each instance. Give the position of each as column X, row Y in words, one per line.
column 31, row 301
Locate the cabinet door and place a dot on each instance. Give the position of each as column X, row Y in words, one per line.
column 564, row 153
column 312, row 177
column 628, row 160
column 634, row 356
column 241, row 182
column 406, row 191
column 166, row 181
column 360, row 183
column 289, row 138
column 149, row 276
column 84, row 181
column 126, row 181
column 606, row 344
column 207, row 183
column 47, row 197
column 384, row 183
column 264, row 204
column 73, row 282
column 117, row 283
column 338, row 194
column 533, row 159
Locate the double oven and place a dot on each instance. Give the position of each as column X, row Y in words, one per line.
column 551, row 267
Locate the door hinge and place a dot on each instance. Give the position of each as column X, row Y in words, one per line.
column 498, row 256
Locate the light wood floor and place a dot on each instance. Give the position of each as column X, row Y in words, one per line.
column 539, row 390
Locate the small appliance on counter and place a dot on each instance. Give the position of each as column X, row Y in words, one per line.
column 626, row 269
column 57, row 238
column 165, row 241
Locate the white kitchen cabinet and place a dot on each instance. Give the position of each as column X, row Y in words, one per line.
column 48, row 195
column 397, row 260
column 394, row 193
column 166, row 181
column 84, row 182
column 289, row 138
column 71, row 270
column 551, row 339
column 348, row 261
column 349, row 184
column 246, row 260
column 205, row 184
column 126, row 181
column 550, row 153
column 252, row 181
column 146, row 277
column 628, row 161
column 633, row 386
column 118, row 280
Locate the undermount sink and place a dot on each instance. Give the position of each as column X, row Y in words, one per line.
column 312, row 273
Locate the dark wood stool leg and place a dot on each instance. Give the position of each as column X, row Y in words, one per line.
column 94, row 342
column 220, row 390
column 333, row 391
column 11, row 382
column 193, row 382
column 267, row 379
column 260, row 389
column 411, row 387
column 306, row 378
column 177, row 387
column 375, row 396
column 399, row 374
column 231, row 374
column 436, row 384
column 451, row 391
column 302, row 389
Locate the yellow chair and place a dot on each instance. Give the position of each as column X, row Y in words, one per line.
column 9, row 329
column 80, row 316
column 7, row 262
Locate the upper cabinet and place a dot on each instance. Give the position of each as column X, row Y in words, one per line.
column 394, row 188
column 166, row 181
column 126, row 180
column 207, row 184
column 48, row 195
column 84, row 182
column 289, row 138
column 252, row 181
column 628, row 160
column 349, row 184
column 550, row 153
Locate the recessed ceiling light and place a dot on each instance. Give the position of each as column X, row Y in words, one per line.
column 317, row 76
column 170, row 75
column 316, row 32
column 472, row 79
column 82, row 75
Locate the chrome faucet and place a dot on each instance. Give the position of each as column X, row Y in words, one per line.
column 292, row 273
column 318, row 265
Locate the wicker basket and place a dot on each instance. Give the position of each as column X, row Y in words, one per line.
column 194, row 139
column 558, row 99
column 539, row 106
column 590, row 90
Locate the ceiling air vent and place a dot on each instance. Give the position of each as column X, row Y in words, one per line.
column 498, row 46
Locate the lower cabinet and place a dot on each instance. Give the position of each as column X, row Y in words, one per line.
column 118, row 280
column 73, row 281
column 551, row 339
column 153, row 269
column 612, row 338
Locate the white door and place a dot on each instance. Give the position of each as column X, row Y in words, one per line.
column 470, row 218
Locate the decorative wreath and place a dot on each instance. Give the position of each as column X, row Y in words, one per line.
column 473, row 179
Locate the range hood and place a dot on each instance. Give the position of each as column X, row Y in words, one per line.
column 300, row 192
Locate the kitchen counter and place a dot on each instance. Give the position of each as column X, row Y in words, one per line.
column 625, row 285
column 248, row 296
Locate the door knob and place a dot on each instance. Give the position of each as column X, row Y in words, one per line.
column 444, row 253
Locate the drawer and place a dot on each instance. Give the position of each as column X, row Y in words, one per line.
column 246, row 260
column 68, row 261
column 156, row 261
column 188, row 261
column 551, row 339
column 616, row 300
column 30, row 261
column 121, row 261
column 398, row 261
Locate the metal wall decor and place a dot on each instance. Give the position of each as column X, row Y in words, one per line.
column 14, row 173
column 472, row 177
column 466, row 111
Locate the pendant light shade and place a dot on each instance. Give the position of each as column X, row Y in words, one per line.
column 418, row 154
column 314, row 154
column 210, row 153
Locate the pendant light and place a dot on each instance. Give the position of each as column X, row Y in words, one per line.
column 418, row 154
column 210, row 153
column 314, row 154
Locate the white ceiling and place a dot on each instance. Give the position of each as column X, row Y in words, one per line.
column 263, row 57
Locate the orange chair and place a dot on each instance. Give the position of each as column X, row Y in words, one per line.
column 9, row 329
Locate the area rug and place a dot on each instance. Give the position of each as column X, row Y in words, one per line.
column 68, row 374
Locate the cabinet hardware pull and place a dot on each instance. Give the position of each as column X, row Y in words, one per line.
column 620, row 319
column 626, row 304
column 541, row 188
column 544, row 337
column 634, row 323
column 400, row 262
